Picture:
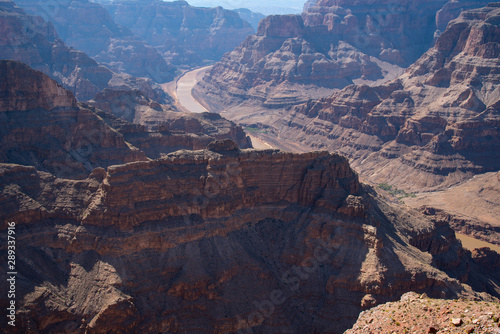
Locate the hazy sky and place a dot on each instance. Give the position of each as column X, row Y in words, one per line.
column 263, row 6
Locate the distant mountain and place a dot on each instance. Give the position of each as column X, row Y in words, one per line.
column 249, row 16
column 87, row 26
column 259, row 6
column 331, row 45
column 183, row 34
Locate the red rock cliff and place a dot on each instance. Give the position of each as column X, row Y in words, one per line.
column 221, row 239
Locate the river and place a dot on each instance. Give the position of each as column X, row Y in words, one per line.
column 184, row 89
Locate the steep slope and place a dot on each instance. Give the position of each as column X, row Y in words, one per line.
column 43, row 126
column 219, row 240
column 35, row 42
column 398, row 32
column 434, row 126
column 88, row 27
column 183, row 34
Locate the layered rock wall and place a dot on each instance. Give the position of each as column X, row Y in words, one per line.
column 221, row 239
column 439, row 119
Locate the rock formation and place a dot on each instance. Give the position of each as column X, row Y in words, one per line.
column 249, row 16
column 88, row 27
column 436, row 125
column 157, row 131
column 184, row 35
column 220, row 239
column 133, row 106
column 285, row 63
column 43, row 126
column 332, row 45
column 35, row 42
column 419, row 313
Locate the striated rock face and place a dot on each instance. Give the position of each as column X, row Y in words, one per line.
column 42, row 126
column 332, row 45
column 434, row 126
column 184, row 35
column 285, row 63
column 397, row 32
column 23, row 89
column 220, row 240
column 87, row 26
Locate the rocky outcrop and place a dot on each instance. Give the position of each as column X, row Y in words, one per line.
column 133, row 106
column 184, row 35
column 88, row 27
column 177, row 131
column 157, row 129
column 33, row 41
column 285, row 63
column 25, row 89
column 42, row 126
column 418, row 312
column 222, row 239
column 433, row 127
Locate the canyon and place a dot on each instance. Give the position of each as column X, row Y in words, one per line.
column 184, row 35
column 133, row 216
column 232, row 239
column 35, row 42
column 432, row 127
